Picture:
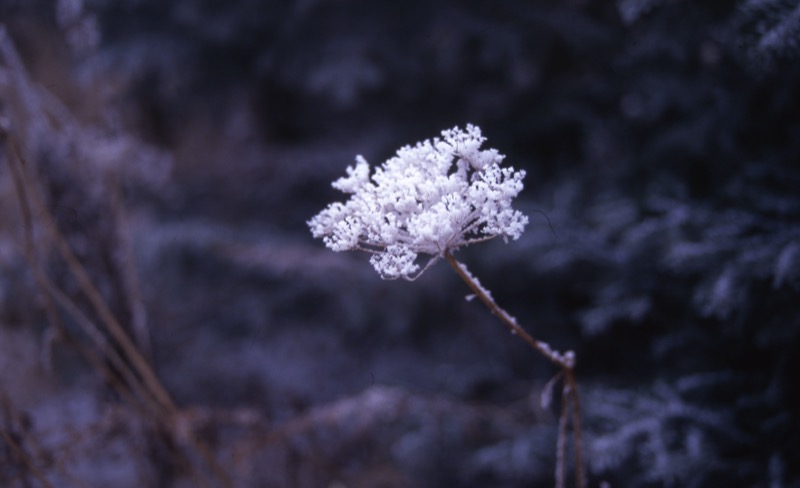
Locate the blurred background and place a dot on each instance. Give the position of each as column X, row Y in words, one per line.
column 158, row 164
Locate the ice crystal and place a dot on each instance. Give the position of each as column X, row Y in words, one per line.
column 429, row 199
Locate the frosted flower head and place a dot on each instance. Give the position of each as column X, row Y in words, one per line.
column 428, row 199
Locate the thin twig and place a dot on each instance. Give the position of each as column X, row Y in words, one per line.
column 51, row 292
column 9, row 439
column 561, row 443
column 562, row 360
column 30, row 440
column 580, row 468
column 565, row 361
column 152, row 393
column 31, row 196
column 95, row 298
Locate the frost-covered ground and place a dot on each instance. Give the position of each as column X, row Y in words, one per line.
column 171, row 153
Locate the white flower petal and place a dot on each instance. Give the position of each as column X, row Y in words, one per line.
column 429, row 198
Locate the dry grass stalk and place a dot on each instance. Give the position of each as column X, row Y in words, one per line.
column 33, row 112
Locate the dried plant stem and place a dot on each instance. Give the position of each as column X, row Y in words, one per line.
column 22, row 440
column 561, row 446
column 572, row 391
column 102, row 309
column 9, row 439
column 565, row 361
column 12, row 432
column 143, row 383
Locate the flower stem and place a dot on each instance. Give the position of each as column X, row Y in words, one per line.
column 565, row 361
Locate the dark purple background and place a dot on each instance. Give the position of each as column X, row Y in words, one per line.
column 661, row 141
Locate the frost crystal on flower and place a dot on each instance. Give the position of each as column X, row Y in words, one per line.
column 432, row 198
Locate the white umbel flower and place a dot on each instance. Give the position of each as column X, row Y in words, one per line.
column 429, row 199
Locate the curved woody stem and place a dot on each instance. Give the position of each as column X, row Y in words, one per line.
column 565, row 361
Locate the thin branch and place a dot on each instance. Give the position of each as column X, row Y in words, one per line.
column 561, row 443
column 9, row 439
column 565, row 361
column 151, row 393
column 580, row 467
column 95, row 298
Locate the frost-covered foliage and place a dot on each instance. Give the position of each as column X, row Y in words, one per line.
column 677, row 440
column 682, row 287
column 771, row 29
column 432, row 198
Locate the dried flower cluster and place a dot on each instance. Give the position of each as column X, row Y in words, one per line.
column 432, row 198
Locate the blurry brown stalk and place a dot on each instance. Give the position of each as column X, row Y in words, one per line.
column 139, row 386
column 566, row 362
column 11, row 435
